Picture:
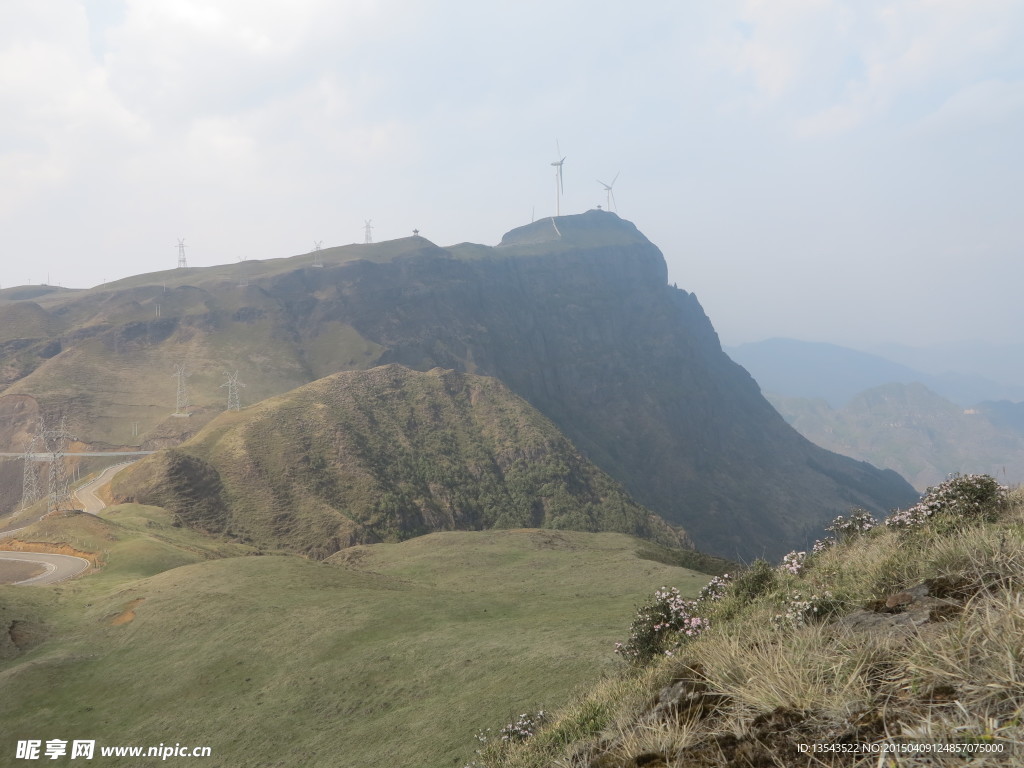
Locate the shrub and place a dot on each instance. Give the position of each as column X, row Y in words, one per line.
column 822, row 545
column 495, row 749
column 802, row 611
column 660, row 625
column 757, row 580
column 715, row 589
column 861, row 521
column 960, row 498
column 794, row 563
column 523, row 727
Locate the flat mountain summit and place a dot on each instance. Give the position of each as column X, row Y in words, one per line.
column 573, row 314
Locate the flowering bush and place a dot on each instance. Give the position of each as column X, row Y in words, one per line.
column 800, row 611
column 794, row 562
column 715, row 589
column 963, row 497
column 820, row 545
column 667, row 617
column 861, row 521
column 524, row 726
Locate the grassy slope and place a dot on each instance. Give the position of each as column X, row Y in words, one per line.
column 383, row 455
column 756, row 686
column 402, row 650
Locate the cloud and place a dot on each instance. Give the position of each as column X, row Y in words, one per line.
column 61, row 111
column 827, row 67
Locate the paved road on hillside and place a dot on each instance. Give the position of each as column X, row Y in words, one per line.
column 60, row 567
column 92, row 503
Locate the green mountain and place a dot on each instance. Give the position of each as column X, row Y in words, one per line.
column 573, row 314
column 384, row 455
column 912, row 430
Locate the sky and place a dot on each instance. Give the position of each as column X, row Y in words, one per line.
column 849, row 172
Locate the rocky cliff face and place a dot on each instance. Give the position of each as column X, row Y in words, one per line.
column 573, row 314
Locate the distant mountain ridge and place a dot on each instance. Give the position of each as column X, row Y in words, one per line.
column 573, row 314
column 923, row 426
column 978, row 360
column 793, row 368
column 914, row 431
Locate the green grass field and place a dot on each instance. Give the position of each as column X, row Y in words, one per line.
column 391, row 654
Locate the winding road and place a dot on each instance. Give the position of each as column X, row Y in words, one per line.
column 60, row 567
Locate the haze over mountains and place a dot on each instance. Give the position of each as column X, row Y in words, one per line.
column 925, row 426
column 835, row 373
column 573, row 314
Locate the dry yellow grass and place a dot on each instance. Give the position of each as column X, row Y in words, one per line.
column 754, row 688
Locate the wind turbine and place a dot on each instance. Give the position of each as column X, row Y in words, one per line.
column 608, row 192
column 559, row 188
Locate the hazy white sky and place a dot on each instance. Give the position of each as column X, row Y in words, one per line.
column 837, row 171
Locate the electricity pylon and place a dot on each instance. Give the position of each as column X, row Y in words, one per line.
column 31, row 492
column 55, row 443
column 234, row 402
column 181, row 401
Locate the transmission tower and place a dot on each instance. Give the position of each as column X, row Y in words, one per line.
column 367, row 229
column 318, row 261
column 31, row 492
column 181, row 254
column 234, row 402
column 181, row 403
column 55, row 442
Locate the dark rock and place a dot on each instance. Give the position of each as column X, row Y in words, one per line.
column 901, row 613
column 685, row 699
